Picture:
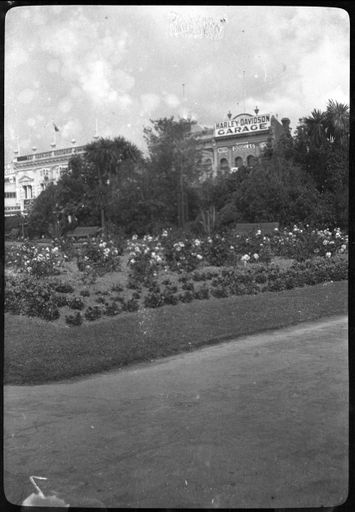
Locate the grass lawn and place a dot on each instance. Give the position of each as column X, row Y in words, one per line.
column 37, row 352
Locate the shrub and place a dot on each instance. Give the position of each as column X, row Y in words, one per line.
column 85, row 293
column 112, row 309
column 100, row 300
column 188, row 286
column 64, row 288
column 74, row 320
column 154, row 300
column 60, row 300
column 117, row 288
column 93, row 313
column 76, row 303
column 202, row 293
column 31, row 297
column 170, row 299
column 186, row 297
column 131, row 305
column 50, row 312
column 102, row 256
column 219, row 292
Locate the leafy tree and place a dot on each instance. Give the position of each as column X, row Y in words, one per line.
column 174, row 166
column 110, row 165
column 41, row 219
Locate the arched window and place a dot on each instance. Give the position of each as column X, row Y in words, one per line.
column 223, row 164
column 238, row 161
column 251, row 161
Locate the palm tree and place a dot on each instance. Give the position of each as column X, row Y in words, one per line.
column 316, row 127
column 337, row 122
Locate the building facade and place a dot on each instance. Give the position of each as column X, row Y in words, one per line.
column 238, row 141
column 28, row 175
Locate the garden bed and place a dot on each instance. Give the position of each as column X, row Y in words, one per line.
column 71, row 285
column 37, row 351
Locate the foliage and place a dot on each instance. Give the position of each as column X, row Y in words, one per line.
column 74, row 320
column 35, row 260
column 100, row 256
column 173, row 167
column 93, row 313
column 28, row 296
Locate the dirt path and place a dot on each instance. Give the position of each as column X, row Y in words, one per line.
column 256, row 422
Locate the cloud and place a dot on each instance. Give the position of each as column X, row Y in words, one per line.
column 172, row 100
column 149, row 102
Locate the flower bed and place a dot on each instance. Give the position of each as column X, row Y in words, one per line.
column 100, row 279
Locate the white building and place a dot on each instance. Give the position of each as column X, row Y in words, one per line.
column 28, row 175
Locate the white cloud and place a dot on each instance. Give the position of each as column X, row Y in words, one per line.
column 71, row 129
column 124, row 101
column 149, row 102
column 172, row 100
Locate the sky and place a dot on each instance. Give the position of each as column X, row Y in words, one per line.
column 114, row 68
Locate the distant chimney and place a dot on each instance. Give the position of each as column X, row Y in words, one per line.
column 256, row 110
column 229, row 114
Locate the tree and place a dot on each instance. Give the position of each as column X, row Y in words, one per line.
column 110, row 164
column 316, row 128
column 41, row 219
column 174, row 166
column 337, row 120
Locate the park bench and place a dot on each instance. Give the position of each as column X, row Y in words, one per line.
column 84, row 233
column 266, row 228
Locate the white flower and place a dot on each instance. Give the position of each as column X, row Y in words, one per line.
column 132, row 261
column 325, row 242
column 199, row 257
column 246, row 257
column 328, row 254
column 256, row 256
column 276, row 229
column 232, row 247
column 343, row 247
column 258, row 232
column 134, row 237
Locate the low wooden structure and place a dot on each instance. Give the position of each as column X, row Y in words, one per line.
column 84, row 233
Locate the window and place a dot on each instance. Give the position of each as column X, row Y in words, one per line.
column 9, row 195
column 224, row 166
column 251, row 161
column 238, row 161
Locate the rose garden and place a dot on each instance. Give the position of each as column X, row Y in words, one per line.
column 72, row 283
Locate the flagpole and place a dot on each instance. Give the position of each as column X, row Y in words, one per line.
column 54, row 140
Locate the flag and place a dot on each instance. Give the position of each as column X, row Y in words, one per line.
column 56, row 129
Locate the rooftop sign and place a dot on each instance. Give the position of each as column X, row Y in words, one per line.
column 242, row 124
